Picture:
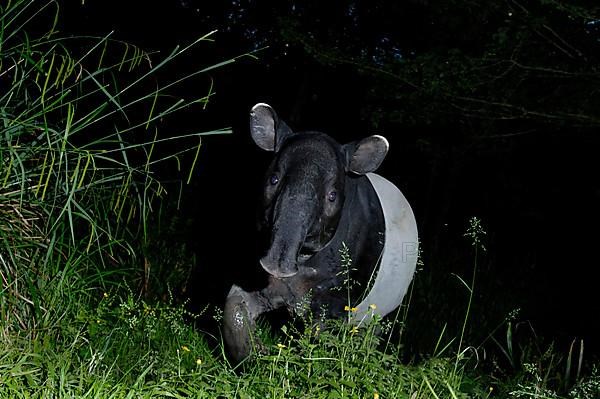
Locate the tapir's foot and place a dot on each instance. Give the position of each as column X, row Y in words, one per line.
column 241, row 310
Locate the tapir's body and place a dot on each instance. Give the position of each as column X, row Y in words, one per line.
column 317, row 201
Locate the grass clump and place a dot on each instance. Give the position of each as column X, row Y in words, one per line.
column 343, row 361
column 80, row 141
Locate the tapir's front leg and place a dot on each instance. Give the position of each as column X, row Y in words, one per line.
column 242, row 308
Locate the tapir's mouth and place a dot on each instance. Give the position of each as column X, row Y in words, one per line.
column 306, row 251
column 303, row 257
column 312, row 244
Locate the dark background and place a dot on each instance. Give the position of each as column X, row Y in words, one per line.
column 491, row 110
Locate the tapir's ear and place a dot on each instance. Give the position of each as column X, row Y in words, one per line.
column 366, row 155
column 267, row 130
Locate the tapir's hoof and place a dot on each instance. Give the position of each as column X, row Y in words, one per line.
column 241, row 310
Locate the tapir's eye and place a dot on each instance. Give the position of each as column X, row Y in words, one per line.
column 332, row 196
column 274, row 179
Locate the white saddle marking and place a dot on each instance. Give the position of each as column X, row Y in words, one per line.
column 400, row 252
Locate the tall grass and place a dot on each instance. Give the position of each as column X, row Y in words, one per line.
column 79, row 146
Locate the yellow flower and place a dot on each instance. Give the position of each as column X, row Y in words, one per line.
column 198, row 362
column 373, row 306
column 185, row 348
column 105, row 295
column 349, row 309
column 354, row 330
column 375, row 395
column 280, row 346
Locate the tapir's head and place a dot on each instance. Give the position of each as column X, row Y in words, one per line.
column 304, row 188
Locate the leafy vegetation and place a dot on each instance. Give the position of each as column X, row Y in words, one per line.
column 79, row 141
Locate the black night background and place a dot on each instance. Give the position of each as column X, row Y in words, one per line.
column 491, row 110
column 532, row 180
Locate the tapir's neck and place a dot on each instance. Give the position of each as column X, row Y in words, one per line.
column 361, row 226
column 360, row 196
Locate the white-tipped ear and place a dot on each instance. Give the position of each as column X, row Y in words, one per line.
column 262, row 126
column 267, row 130
column 366, row 155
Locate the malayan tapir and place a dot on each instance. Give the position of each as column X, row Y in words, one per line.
column 321, row 197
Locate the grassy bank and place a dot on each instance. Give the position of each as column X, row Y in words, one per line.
column 125, row 347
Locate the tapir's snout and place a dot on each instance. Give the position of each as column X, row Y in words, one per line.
column 291, row 223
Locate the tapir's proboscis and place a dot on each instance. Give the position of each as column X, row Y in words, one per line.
column 322, row 198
